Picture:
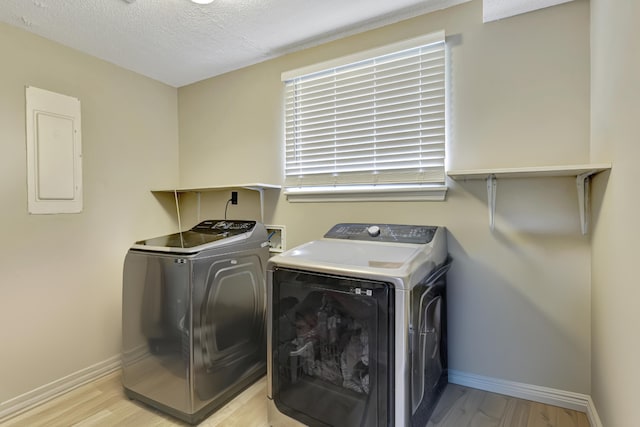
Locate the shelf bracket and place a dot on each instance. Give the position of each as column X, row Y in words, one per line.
column 583, row 182
column 198, row 200
column 492, row 187
column 261, row 191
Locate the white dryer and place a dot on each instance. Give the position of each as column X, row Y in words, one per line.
column 194, row 317
column 357, row 327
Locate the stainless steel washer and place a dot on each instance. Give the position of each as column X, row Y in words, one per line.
column 193, row 317
column 357, row 327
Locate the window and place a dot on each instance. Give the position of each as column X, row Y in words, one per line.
column 369, row 126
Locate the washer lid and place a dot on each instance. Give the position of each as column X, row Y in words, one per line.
column 402, row 253
column 357, row 258
column 198, row 238
column 360, row 254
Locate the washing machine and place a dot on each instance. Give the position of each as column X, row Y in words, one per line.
column 194, row 317
column 357, row 327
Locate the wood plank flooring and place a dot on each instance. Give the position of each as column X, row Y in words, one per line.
column 103, row 403
column 467, row 407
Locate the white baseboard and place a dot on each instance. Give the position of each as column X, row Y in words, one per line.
column 549, row 396
column 592, row 414
column 40, row 395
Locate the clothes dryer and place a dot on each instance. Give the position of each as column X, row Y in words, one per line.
column 193, row 317
column 357, row 327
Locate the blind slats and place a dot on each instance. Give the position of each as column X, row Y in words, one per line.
column 415, row 89
column 431, row 72
column 379, row 120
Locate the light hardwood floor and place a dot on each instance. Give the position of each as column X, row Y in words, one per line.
column 103, row 403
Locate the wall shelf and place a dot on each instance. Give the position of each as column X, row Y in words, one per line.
column 581, row 173
column 259, row 187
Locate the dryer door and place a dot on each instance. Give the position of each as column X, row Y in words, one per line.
column 332, row 363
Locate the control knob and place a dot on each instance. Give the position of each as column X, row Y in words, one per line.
column 374, row 231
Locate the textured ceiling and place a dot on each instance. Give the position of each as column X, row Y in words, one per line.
column 179, row 42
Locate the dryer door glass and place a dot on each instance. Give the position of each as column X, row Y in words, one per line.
column 331, row 360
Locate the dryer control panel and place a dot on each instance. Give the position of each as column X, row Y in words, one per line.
column 399, row 233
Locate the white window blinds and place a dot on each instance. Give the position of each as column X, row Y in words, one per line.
column 371, row 119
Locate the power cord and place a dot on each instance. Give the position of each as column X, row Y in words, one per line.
column 225, row 209
column 233, row 200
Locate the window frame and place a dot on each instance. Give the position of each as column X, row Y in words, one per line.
column 434, row 188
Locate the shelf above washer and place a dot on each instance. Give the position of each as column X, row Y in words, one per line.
column 259, row 187
column 581, row 173
column 255, row 186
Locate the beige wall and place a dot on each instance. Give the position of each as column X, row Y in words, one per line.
column 519, row 297
column 615, row 131
column 60, row 275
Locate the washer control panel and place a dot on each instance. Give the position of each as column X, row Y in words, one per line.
column 398, row 233
column 228, row 228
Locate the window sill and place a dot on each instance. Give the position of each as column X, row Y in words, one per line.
column 366, row 194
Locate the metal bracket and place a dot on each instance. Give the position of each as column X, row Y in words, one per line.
column 492, row 187
column 260, row 190
column 583, row 184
